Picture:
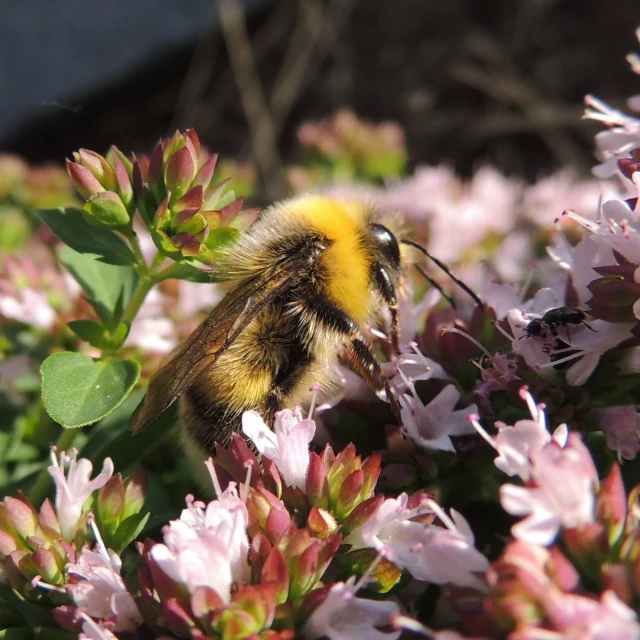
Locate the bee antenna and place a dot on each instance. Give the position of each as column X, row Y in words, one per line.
column 446, row 269
column 435, row 285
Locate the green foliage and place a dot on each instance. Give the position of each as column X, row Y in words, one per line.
column 78, row 390
column 71, row 227
column 108, row 288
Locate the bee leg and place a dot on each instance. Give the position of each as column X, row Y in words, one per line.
column 384, row 286
column 322, row 311
column 357, row 351
column 359, row 355
column 586, row 324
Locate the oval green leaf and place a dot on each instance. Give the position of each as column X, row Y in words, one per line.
column 70, row 226
column 78, row 390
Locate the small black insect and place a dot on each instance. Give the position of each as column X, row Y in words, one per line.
column 554, row 318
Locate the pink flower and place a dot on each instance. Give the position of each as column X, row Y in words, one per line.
column 345, row 385
column 93, row 631
column 562, row 494
column 429, row 552
column 410, row 313
column 73, row 490
column 410, row 366
column 585, row 345
column 432, row 425
column 288, row 447
column 207, row 547
column 516, row 444
column 621, row 427
column 622, row 136
column 343, row 616
column 575, row 617
column 98, row 589
column 29, row 307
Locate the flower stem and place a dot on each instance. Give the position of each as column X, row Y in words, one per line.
column 141, row 264
column 41, row 486
column 139, row 295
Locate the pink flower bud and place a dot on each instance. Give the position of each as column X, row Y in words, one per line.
column 190, row 203
column 259, row 601
column 124, row 185
column 180, row 172
column 275, row 570
column 317, row 487
column 303, row 571
column 276, row 525
column 205, row 601
column 177, row 618
column 349, row 493
column 611, row 505
column 23, row 517
column 187, row 244
column 83, row 180
column 48, row 517
column 619, row 579
column 361, row 514
column 321, row 523
column 110, row 503
column 135, row 490
column 205, row 173
column 230, row 211
column 48, row 568
column 155, row 170
column 98, row 166
column 371, row 469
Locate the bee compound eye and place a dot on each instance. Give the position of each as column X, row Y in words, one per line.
column 387, row 244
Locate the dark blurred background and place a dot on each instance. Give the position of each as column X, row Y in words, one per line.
column 496, row 81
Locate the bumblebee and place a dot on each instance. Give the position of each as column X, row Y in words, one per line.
column 308, row 276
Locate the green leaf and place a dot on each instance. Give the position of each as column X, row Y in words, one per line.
column 90, row 331
column 129, row 530
column 70, row 226
column 16, row 633
column 32, row 615
column 109, row 288
column 78, row 390
column 119, row 335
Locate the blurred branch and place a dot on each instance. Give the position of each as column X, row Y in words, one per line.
column 189, row 101
column 263, row 136
column 313, row 38
column 502, row 80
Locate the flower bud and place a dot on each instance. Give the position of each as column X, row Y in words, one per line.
column 611, row 507
column 321, row 523
column 83, row 180
column 180, row 171
column 317, row 486
column 275, row 570
column 110, row 504
column 98, row 166
column 356, row 563
column 106, row 208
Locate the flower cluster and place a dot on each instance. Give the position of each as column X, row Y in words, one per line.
column 343, row 148
column 172, row 190
column 568, row 571
column 251, row 563
column 348, row 539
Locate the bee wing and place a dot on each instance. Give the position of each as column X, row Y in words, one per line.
column 190, row 359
